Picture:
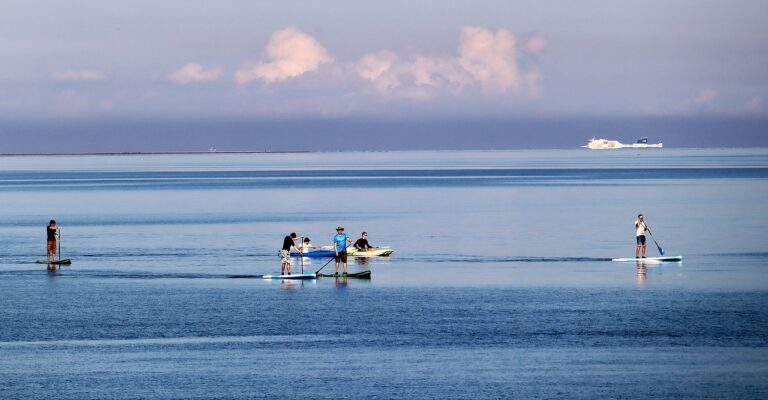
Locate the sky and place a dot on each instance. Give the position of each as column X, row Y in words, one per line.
column 369, row 75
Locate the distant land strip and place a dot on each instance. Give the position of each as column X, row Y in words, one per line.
column 152, row 153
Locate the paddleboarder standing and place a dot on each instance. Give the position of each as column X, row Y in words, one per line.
column 285, row 253
column 53, row 236
column 640, row 228
column 340, row 241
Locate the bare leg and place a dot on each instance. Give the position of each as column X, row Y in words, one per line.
column 637, row 251
column 337, row 267
column 643, row 251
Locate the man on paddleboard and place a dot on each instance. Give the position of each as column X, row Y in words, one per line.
column 640, row 229
column 53, row 235
column 285, row 253
column 340, row 241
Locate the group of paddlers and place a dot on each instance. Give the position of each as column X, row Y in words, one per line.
column 340, row 244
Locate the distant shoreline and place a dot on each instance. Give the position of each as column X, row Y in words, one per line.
column 154, row 153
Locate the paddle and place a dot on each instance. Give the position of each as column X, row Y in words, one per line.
column 661, row 251
column 58, row 233
column 321, row 268
column 301, row 254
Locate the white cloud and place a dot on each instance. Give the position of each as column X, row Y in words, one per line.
column 291, row 52
column 373, row 65
column 484, row 59
column 490, row 58
column 81, row 75
column 194, row 72
column 706, row 96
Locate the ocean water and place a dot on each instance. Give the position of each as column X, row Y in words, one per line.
column 500, row 286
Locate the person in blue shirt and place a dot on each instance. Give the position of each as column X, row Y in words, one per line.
column 340, row 244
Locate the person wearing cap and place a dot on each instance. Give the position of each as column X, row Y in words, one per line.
column 285, row 253
column 340, row 242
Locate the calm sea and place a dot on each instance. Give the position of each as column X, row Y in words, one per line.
column 500, row 286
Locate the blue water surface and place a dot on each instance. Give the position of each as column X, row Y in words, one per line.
column 500, row 286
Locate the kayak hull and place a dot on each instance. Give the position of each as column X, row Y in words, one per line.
column 292, row 276
column 377, row 252
column 315, row 254
column 651, row 259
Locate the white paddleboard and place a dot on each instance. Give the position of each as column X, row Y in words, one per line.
column 651, row 259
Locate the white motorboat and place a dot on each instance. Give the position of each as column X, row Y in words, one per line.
column 603, row 144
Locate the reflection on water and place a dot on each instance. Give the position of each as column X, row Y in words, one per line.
column 642, row 273
column 341, row 282
column 361, row 260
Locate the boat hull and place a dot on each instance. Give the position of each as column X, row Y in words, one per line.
column 315, row 254
column 377, row 252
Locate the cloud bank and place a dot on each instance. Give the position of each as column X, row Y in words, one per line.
column 194, row 72
column 485, row 59
column 291, row 52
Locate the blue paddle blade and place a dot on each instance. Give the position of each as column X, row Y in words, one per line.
column 661, row 251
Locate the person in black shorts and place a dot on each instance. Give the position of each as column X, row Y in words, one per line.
column 640, row 229
column 52, row 232
column 340, row 243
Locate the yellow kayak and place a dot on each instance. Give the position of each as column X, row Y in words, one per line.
column 376, row 252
